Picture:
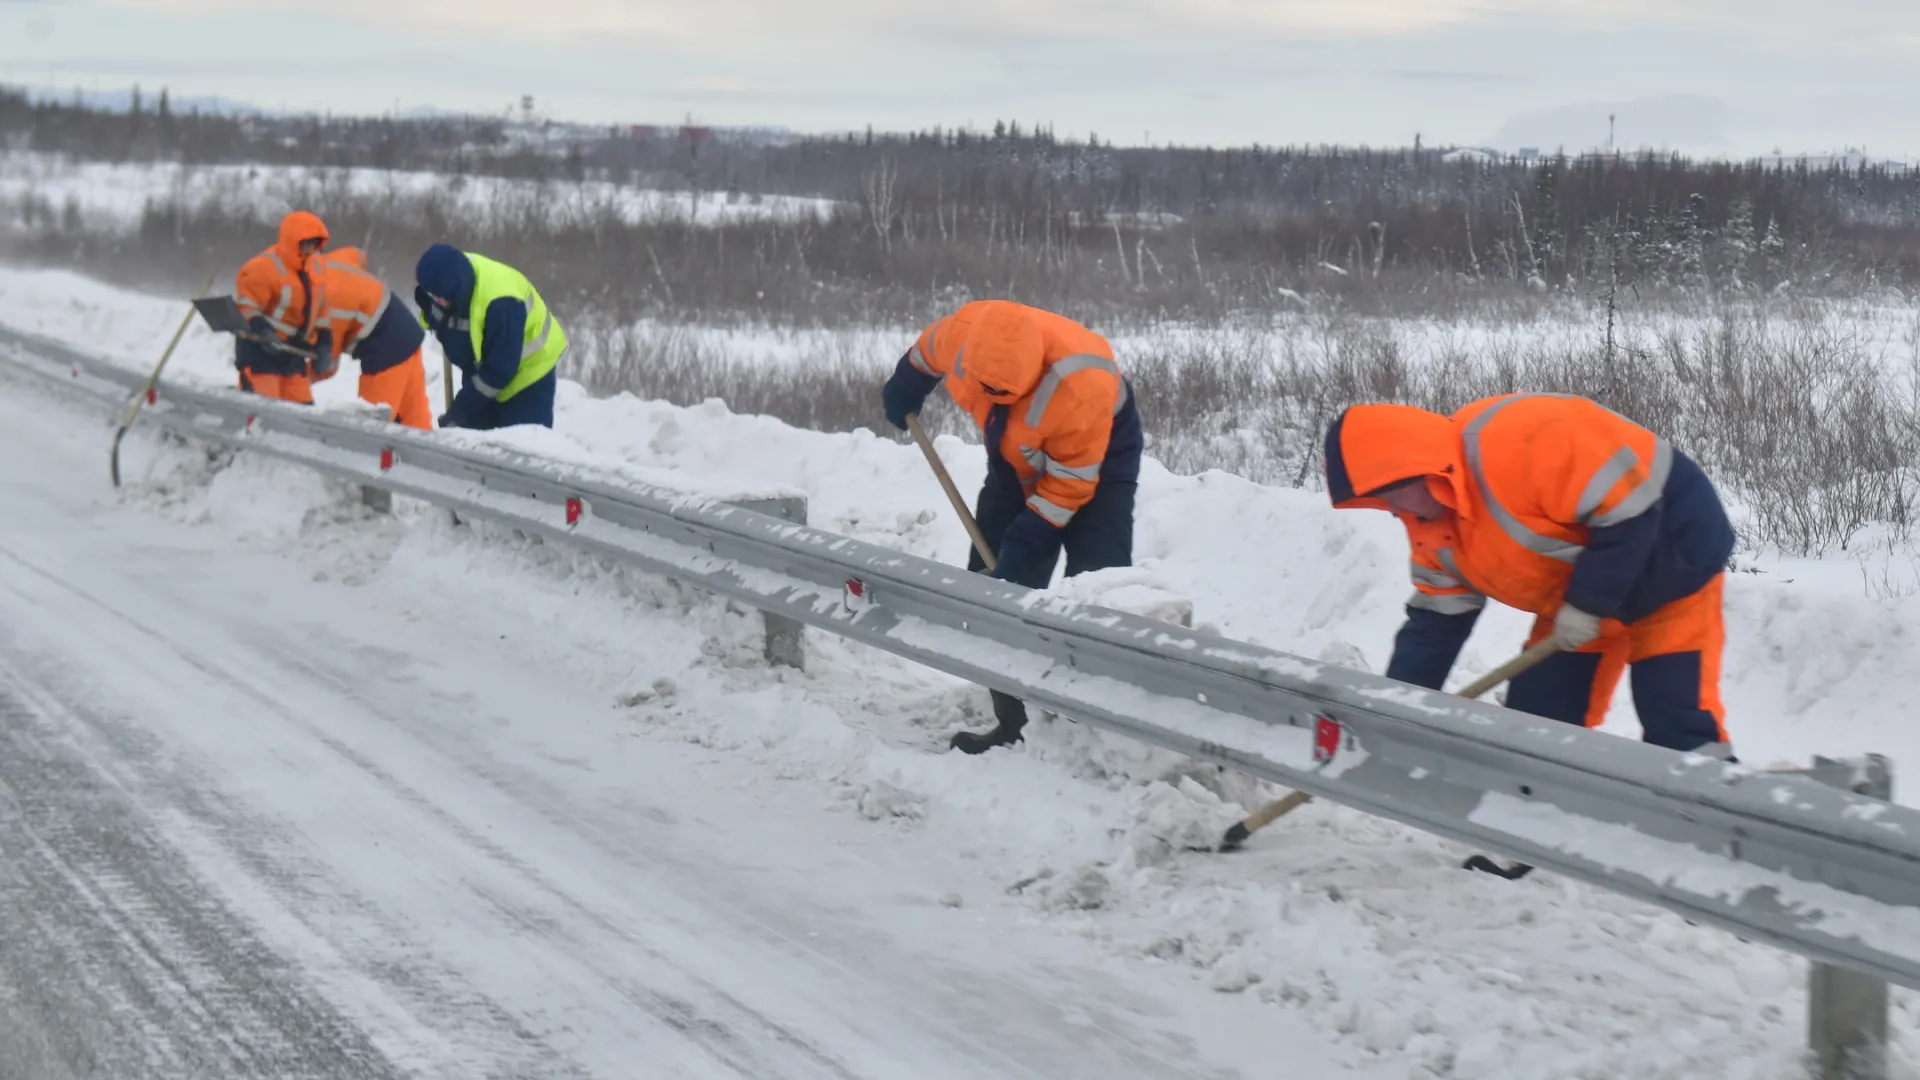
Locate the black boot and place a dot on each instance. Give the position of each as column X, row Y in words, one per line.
column 1487, row 866
column 1012, row 716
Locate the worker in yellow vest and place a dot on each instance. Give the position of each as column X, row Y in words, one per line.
column 493, row 325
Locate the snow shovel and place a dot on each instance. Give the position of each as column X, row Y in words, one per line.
column 146, row 392
column 1281, row 807
column 223, row 316
column 953, row 493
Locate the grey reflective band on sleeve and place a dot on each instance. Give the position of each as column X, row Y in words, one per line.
column 531, row 348
column 1039, row 462
column 1553, row 548
column 1448, row 604
column 1642, row 498
column 1050, row 510
column 1050, row 382
column 918, row 358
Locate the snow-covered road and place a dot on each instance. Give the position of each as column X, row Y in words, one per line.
column 249, row 827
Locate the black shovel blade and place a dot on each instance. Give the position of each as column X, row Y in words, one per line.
column 221, row 314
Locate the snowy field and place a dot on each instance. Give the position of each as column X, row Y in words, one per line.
column 111, row 196
column 1336, row 946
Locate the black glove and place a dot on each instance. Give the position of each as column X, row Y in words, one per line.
column 906, row 392
column 324, row 362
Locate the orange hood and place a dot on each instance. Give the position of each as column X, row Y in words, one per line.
column 295, row 227
column 1004, row 350
column 1373, row 446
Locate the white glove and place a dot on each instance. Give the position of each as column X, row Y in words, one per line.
column 1573, row 628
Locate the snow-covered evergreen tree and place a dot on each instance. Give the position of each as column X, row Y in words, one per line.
column 1738, row 244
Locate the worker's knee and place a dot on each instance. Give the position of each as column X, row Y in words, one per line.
column 1561, row 687
column 1678, row 701
column 1100, row 537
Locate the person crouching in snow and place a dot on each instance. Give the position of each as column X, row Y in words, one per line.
column 1554, row 505
column 493, row 326
column 1063, row 442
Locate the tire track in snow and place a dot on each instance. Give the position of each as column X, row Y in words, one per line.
column 727, row 1032
column 116, row 959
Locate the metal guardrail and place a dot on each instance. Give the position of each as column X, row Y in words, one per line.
column 1824, row 872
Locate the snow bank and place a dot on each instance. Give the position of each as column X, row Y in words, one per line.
column 1366, row 929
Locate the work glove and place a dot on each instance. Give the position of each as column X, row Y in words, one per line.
column 898, row 400
column 905, row 392
column 324, row 363
column 1573, row 628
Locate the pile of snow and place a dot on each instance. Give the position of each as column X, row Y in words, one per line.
column 1363, row 928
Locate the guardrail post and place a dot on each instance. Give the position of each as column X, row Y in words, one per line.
column 785, row 643
column 1847, row 1011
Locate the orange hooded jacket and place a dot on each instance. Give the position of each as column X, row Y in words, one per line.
column 365, row 321
column 1060, row 381
column 1531, row 482
column 283, row 294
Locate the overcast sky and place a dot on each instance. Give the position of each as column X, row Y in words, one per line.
column 1734, row 77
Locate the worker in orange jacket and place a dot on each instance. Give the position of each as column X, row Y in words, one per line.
column 382, row 335
column 282, row 294
column 1063, row 444
column 1552, row 504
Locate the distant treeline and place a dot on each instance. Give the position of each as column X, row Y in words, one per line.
column 1017, row 211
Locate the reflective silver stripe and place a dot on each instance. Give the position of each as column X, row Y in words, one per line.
column 1073, row 472
column 489, row 392
column 1050, row 510
column 1449, row 604
column 245, row 305
column 285, row 328
column 459, row 325
column 1120, row 399
column 1439, row 579
column 1039, row 462
column 538, row 343
column 1563, row 550
column 960, row 363
column 1448, row 578
column 1609, row 474
column 274, row 257
column 933, row 345
column 1642, row 498
column 1067, row 365
column 286, row 301
column 380, row 309
column 918, row 358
